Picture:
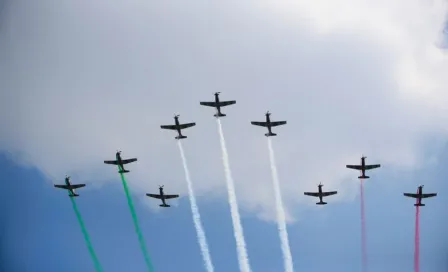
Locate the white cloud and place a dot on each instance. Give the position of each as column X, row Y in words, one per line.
column 80, row 80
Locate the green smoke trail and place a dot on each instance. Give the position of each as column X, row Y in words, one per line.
column 135, row 220
column 86, row 236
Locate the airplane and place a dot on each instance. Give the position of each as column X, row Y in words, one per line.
column 70, row 187
column 320, row 194
column 419, row 195
column 218, row 104
column 268, row 124
column 162, row 197
column 178, row 127
column 121, row 162
column 363, row 167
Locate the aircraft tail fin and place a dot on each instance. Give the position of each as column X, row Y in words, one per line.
column 270, row 134
column 321, row 203
column 164, row 205
column 419, row 205
column 219, row 115
column 123, row 171
column 363, row 177
column 180, row 137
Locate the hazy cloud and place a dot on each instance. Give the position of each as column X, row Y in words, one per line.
column 81, row 79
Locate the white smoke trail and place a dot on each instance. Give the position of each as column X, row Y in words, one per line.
column 243, row 259
column 202, row 240
column 281, row 221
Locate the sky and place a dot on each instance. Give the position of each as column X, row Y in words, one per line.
column 81, row 80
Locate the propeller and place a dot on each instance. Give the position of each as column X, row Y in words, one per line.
column 217, row 93
column 320, row 184
column 161, row 186
column 176, row 115
column 268, row 113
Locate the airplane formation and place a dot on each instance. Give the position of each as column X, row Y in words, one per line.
column 363, row 167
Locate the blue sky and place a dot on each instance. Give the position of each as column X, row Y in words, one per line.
column 40, row 231
column 81, row 79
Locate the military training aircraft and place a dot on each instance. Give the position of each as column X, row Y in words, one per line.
column 70, row 187
column 419, row 195
column 320, row 194
column 121, row 162
column 218, row 104
column 268, row 124
column 162, row 197
column 178, row 127
column 363, row 167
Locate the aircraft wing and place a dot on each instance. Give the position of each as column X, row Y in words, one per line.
column 154, row 196
column 329, row 193
column 209, row 104
column 428, row 195
column 411, row 195
column 170, row 196
column 172, row 127
column 111, row 162
column 311, row 194
column 261, row 124
column 128, row 160
column 278, row 123
column 226, row 103
column 220, row 104
column 183, row 126
column 357, row 167
column 76, row 186
column 61, row 186
column 373, row 166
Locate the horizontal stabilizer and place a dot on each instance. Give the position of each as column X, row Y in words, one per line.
column 219, row 115
column 363, row 177
column 419, row 205
column 180, row 137
column 270, row 134
column 321, row 203
column 75, row 195
column 164, row 205
column 123, row 171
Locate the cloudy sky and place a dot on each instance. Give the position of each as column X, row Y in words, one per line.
column 81, row 79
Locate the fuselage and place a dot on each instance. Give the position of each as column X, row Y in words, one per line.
column 120, row 163
column 363, row 165
column 419, row 192
column 268, row 121
column 218, row 108
column 320, row 193
column 177, row 124
column 67, row 182
column 162, row 196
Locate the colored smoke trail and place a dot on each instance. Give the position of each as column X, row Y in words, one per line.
column 196, row 216
column 243, row 259
column 281, row 220
column 363, row 229
column 417, row 239
column 86, row 236
column 135, row 220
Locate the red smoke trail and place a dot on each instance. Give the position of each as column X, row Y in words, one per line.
column 417, row 239
column 363, row 230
